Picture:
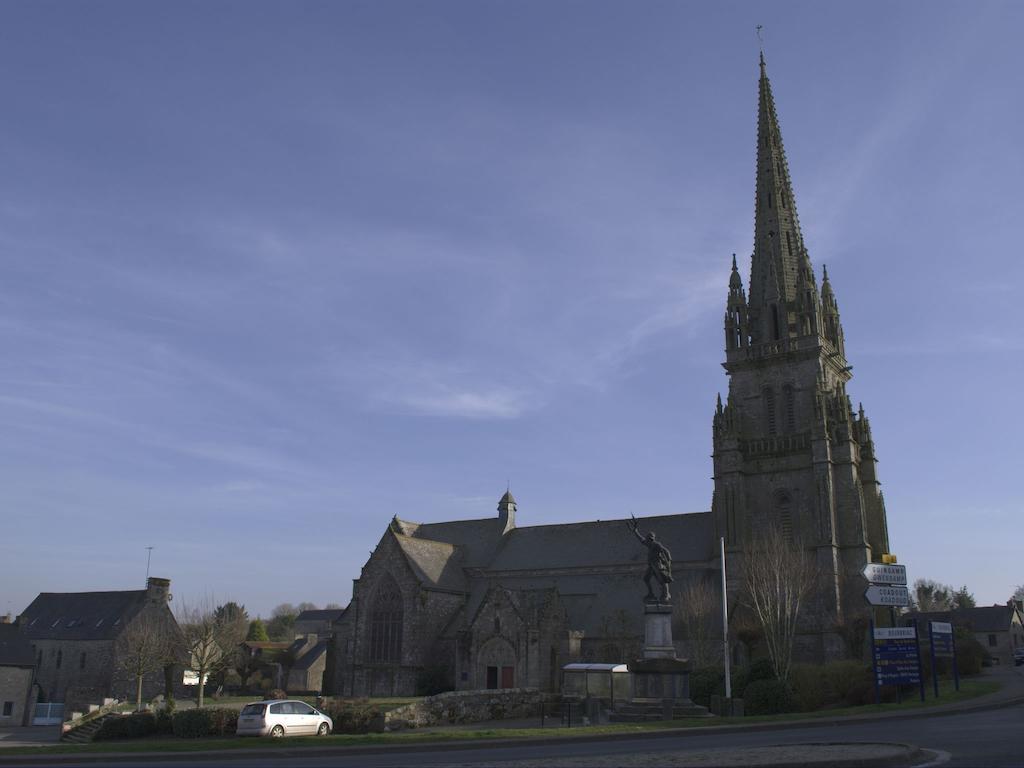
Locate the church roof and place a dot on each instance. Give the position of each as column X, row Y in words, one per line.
column 81, row 615
column 435, row 563
column 475, row 539
column 603, row 542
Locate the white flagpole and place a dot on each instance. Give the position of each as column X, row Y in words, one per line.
column 725, row 626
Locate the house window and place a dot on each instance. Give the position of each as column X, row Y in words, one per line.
column 60, row 658
column 8, row 709
column 81, row 661
column 386, row 624
column 992, row 641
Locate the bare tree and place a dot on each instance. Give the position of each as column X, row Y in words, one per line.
column 697, row 615
column 145, row 646
column 778, row 577
column 207, row 639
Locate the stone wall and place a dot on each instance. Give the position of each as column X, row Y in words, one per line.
column 15, row 686
column 458, row 707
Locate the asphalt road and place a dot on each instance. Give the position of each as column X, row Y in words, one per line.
column 988, row 738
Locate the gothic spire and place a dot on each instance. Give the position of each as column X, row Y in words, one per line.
column 780, row 272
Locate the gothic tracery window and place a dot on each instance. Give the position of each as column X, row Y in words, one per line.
column 386, row 624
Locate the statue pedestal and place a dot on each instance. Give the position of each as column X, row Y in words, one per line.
column 661, row 682
column 658, row 631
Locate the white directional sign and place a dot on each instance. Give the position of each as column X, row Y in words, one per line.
column 878, row 573
column 877, row 594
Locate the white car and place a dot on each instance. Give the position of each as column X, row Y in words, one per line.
column 282, row 718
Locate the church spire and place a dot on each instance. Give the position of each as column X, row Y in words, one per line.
column 780, row 273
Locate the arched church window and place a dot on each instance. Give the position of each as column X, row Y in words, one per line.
column 775, row 321
column 386, row 624
column 784, row 514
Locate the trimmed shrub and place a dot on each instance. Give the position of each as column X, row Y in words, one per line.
column 970, row 654
column 223, row 721
column 165, row 722
column 767, row 697
column 191, row 723
column 277, row 693
column 354, row 715
column 134, row 726
column 761, row 669
column 850, row 682
column 706, row 682
column 810, row 688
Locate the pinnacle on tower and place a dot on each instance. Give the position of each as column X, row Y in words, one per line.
column 736, row 329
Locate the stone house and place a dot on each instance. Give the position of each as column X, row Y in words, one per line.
column 998, row 628
column 74, row 636
column 17, row 674
column 482, row 603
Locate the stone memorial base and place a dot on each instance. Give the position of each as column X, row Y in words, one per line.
column 661, row 682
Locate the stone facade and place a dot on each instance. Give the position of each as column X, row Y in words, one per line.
column 487, row 604
column 74, row 637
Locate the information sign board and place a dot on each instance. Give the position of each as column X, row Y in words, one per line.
column 876, row 594
column 880, row 573
column 942, row 639
column 896, row 656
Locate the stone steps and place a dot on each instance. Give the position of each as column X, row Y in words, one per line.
column 84, row 733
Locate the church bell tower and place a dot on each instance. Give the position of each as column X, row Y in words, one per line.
column 789, row 449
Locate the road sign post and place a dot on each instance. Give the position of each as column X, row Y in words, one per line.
column 896, row 658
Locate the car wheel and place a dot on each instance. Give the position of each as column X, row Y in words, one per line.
column 323, row 730
column 277, row 731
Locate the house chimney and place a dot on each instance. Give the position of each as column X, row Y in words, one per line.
column 159, row 590
column 5, row 619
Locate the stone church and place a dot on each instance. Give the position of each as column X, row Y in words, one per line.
column 485, row 603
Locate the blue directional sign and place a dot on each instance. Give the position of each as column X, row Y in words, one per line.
column 896, row 656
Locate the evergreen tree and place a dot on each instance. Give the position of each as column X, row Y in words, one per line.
column 257, row 631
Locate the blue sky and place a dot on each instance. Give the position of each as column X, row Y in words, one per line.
column 275, row 272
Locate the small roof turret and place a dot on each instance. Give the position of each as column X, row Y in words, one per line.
column 508, row 498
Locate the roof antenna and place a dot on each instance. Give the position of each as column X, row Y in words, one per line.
column 149, row 556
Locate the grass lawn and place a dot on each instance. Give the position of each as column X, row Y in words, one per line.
column 969, row 689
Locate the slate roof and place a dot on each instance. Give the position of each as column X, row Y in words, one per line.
column 15, row 649
column 80, row 615
column 989, row 618
column 475, row 539
column 604, row 542
column 321, row 614
column 435, row 563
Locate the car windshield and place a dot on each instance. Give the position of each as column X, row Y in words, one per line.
column 254, row 709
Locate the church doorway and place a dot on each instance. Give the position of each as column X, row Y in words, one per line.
column 497, row 664
column 504, row 675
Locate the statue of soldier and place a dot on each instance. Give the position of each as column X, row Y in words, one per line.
column 659, row 563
